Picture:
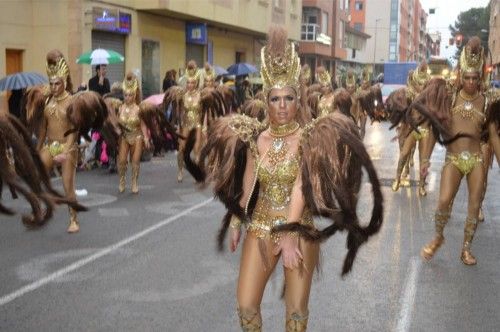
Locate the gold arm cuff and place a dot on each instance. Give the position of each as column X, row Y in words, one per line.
column 235, row 222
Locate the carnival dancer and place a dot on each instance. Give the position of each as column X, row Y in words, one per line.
column 53, row 145
column 367, row 101
column 325, row 104
column 409, row 138
column 274, row 176
column 466, row 116
column 134, row 135
column 194, row 109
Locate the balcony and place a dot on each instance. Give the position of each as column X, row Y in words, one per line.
column 309, row 31
column 312, row 32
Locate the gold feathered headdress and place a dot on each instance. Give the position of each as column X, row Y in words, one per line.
column 58, row 70
column 305, row 74
column 323, row 76
column 420, row 76
column 130, row 84
column 209, row 73
column 472, row 57
column 192, row 72
column 365, row 76
column 280, row 65
column 350, row 80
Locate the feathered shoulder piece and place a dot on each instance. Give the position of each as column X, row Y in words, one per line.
column 223, row 160
column 213, row 103
column 24, row 173
column 173, row 99
column 87, row 110
column 434, row 105
column 333, row 156
column 32, row 106
column 397, row 104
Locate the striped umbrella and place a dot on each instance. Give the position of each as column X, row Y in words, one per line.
column 21, row 80
column 100, row 56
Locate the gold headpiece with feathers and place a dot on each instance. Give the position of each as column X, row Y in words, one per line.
column 421, row 76
column 365, row 76
column 280, row 65
column 305, row 73
column 323, row 76
column 350, row 80
column 58, row 70
column 209, row 73
column 472, row 57
column 130, row 84
column 192, row 72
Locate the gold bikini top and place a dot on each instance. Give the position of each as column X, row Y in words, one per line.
column 191, row 105
column 130, row 121
column 468, row 110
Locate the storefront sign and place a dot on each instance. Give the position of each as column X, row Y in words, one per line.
column 196, row 33
column 111, row 20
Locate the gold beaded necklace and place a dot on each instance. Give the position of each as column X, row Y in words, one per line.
column 279, row 147
column 467, row 109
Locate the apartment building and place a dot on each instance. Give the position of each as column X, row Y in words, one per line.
column 153, row 35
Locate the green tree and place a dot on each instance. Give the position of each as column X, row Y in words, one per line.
column 469, row 24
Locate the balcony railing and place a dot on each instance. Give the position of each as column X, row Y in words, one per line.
column 309, row 31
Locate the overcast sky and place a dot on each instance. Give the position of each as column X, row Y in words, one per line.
column 447, row 12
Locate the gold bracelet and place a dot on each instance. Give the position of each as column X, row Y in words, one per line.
column 235, row 222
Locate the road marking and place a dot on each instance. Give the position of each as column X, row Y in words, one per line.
column 408, row 296
column 101, row 253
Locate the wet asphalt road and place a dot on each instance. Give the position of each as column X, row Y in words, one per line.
column 148, row 262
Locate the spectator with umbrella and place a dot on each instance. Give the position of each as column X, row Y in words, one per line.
column 99, row 83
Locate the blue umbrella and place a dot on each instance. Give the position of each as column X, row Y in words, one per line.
column 241, row 68
column 219, row 70
column 21, row 80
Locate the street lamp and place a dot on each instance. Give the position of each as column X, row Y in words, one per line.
column 375, row 45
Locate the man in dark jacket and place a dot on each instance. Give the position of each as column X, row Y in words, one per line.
column 99, row 83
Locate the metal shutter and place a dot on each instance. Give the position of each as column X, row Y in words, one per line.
column 115, row 42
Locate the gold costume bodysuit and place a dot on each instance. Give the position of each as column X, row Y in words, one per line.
column 465, row 161
column 131, row 124
column 325, row 106
column 57, row 124
column 276, row 182
column 192, row 117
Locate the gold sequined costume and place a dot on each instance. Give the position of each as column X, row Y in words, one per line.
column 466, row 115
column 274, row 177
column 133, row 137
column 53, row 145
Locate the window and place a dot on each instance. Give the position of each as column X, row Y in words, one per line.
column 324, row 23
column 358, row 26
column 392, row 48
column 358, row 5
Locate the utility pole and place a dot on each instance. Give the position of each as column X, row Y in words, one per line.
column 375, row 46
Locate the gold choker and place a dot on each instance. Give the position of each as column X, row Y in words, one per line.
column 284, row 130
column 467, row 97
column 63, row 96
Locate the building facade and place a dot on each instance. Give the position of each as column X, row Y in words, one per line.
column 323, row 35
column 433, row 44
column 494, row 38
column 153, row 35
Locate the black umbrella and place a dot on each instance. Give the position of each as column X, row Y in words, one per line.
column 21, row 80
